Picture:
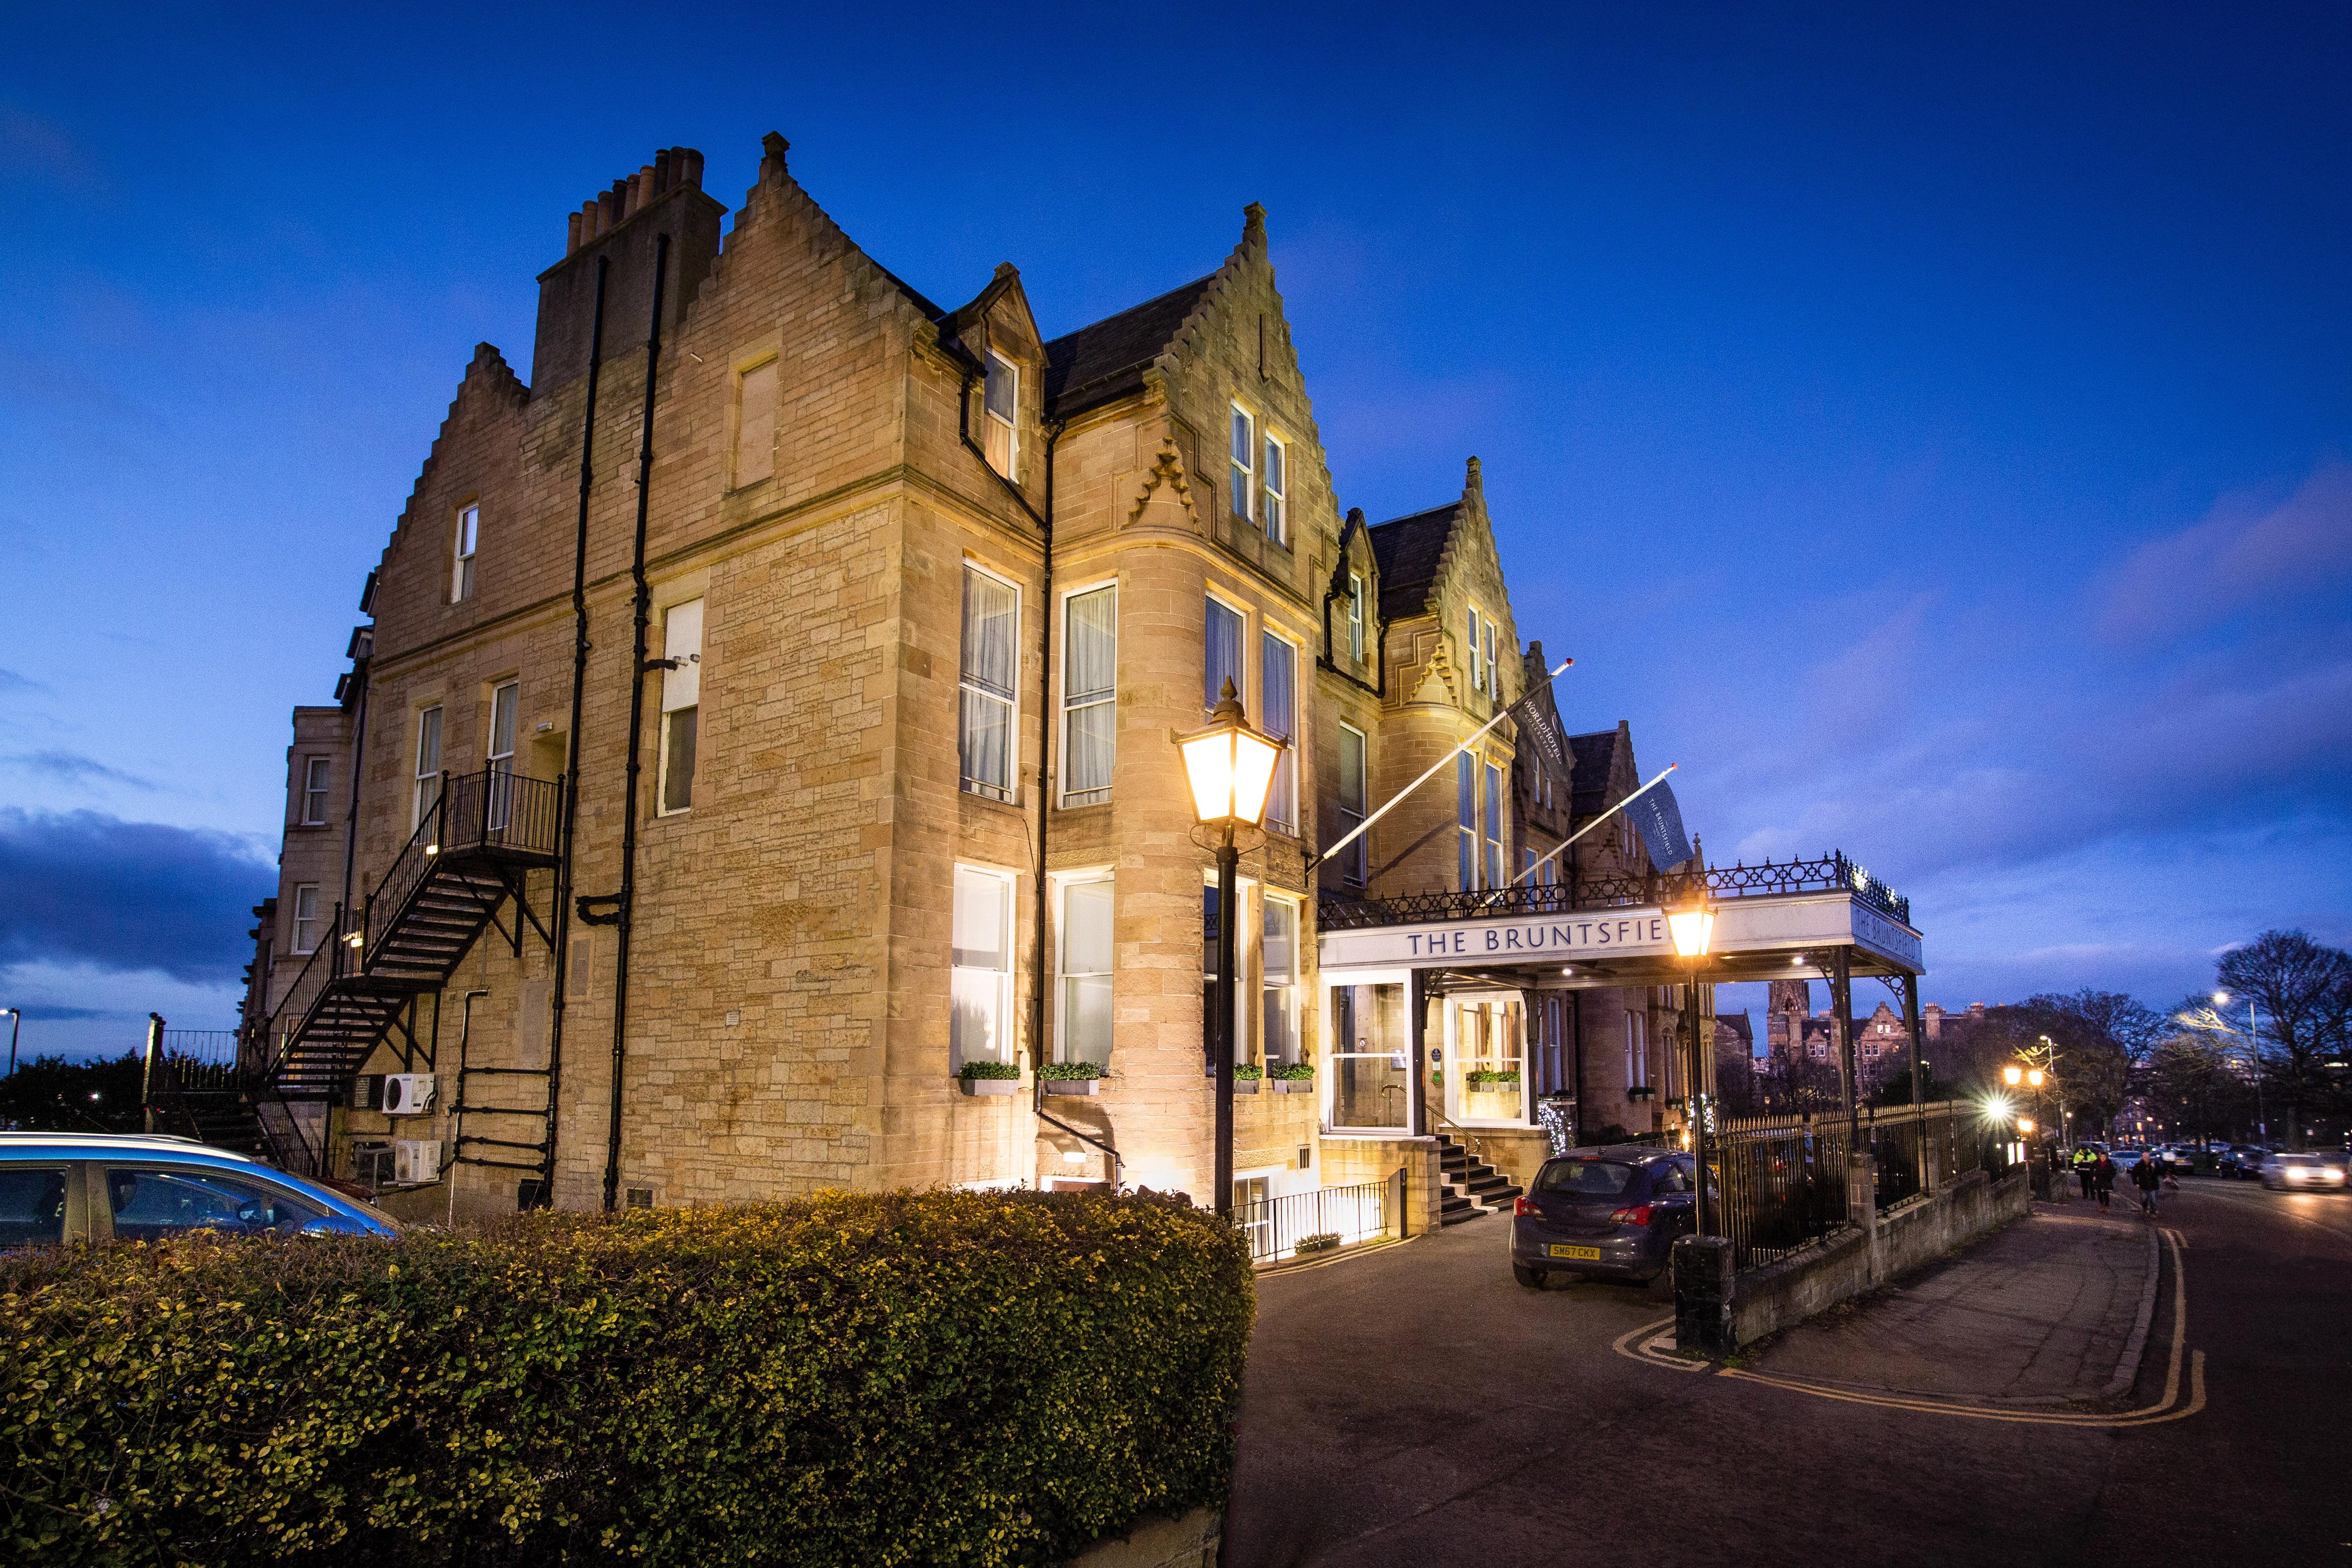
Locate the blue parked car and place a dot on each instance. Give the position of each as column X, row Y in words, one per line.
column 58, row 1187
column 1608, row 1213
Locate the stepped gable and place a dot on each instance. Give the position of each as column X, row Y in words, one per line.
column 487, row 377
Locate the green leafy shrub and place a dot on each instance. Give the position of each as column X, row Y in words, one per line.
column 1491, row 1078
column 1251, row 1070
column 905, row 1378
column 989, row 1070
column 1061, row 1070
column 1291, row 1071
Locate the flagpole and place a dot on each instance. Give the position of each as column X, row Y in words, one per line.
column 1364, row 827
column 1589, row 826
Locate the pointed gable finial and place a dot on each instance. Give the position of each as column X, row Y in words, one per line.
column 1474, row 482
column 1253, row 226
column 773, row 147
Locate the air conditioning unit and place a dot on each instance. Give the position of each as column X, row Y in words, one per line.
column 407, row 1093
column 372, row 1164
column 415, row 1161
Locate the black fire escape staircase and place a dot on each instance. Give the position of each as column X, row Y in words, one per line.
column 472, row 853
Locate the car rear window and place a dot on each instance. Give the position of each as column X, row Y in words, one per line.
column 32, row 1208
column 1593, row 1178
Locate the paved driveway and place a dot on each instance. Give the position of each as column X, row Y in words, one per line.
column 1414, row 1407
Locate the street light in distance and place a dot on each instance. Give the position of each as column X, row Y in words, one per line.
column 1230, row 766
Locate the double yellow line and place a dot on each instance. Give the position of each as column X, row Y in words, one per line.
column 2170, row 1407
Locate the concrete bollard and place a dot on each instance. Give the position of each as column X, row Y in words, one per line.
column 1703, row 1294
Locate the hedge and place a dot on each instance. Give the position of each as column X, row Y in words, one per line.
column 903, row 1378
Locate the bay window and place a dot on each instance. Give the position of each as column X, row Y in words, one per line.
column 1090, row 694
column 986, row 724
column 1465, row 820
column 1278, row 975
column 1220, row 649
column 1086, row 962
column 981, row 986
column 1494, row 878
column 1278, row 716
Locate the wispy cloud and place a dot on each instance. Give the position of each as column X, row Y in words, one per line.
column 71, row 767
column 2242, row 554
column 15, row 685
column 85, row 888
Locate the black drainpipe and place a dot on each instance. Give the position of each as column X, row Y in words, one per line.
column 570, row 804
column 637, row 671
column 1044, row 522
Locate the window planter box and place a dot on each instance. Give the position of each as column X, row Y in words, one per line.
column 1292, row 1085
column 1247, row 1084
column 977, row 1086
column 1073, row 1085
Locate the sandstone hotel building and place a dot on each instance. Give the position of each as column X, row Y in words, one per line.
column 928, row 591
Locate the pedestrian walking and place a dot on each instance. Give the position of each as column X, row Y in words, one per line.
column 2147, row 1178
column 2102, row 1180
column 2086, row 1163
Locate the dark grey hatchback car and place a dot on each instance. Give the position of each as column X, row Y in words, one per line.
column 1610, row 1213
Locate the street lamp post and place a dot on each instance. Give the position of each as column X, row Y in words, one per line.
column 1693, row 927
column 15, row 1022
column 2254, row 1065
column 1230, row 766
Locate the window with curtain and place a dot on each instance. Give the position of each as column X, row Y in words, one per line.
column 1273, row 482
column 1220, row 654
column 1002, row 400
column 1637, row 1051
column 985, row 726
column 428, row 766
column 1465, row 814
column 1354, row 794
column 755, row 424
column 1493, row 669
column 1086, row 966
column 1244, row 464
column 1477, row 658
column 981, row 984
column 1090, row 694
column 1278, row 972
column 1278, row 716
column 1356, row 617
column 681, row 700
column 1494, row 875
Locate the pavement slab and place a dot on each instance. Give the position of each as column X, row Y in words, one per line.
column 2040, row 1313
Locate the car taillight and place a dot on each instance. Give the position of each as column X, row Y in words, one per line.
column 1638, row 1214
column 1526, row 1206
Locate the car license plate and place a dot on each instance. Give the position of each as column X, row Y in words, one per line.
column 1589, row 1254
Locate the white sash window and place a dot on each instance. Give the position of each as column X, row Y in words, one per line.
column 986, row 724
column 1090, row 694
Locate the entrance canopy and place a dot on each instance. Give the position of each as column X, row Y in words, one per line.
column 1772, row 922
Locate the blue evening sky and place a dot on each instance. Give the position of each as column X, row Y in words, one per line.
column 1933, row 432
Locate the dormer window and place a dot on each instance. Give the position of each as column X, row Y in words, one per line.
column 1002, row 401
column 461, row 575
column 1356, row 617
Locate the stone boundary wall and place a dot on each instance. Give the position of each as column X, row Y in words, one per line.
column 1768, row 1300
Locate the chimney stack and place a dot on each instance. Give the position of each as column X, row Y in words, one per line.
column 602, row 214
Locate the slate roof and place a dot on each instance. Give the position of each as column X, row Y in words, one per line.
column 1592, row 760
column 1106, row 361
column 1408, row 549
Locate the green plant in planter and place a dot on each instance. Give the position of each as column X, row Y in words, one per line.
column 1293, row 1072
column 989, row 1070
column 1057, row 1072
column 1322, row 1243
column 1250, row 1070
column 1492, row 1078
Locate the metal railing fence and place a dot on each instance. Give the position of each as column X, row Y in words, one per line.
column 1366, row 1212
column 1831, row 872
column 1781, row 1182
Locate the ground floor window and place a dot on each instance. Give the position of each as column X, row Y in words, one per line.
column 979, row 1028
column 1370, row 1045
column 1086, row 971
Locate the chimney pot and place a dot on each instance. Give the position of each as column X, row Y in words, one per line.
column 641, row 189
column 608, row 211
column 661, row 171
column 572, row 233
column 693, row 175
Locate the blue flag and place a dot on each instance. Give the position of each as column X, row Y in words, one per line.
column 1659, row 821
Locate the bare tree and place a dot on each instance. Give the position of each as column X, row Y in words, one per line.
column 2302, row 992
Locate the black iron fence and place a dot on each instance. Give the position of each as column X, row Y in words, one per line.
column 1324, row 1219
column 1832, row 872
column 1783, row 1179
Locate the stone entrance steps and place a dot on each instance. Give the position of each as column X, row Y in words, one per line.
column 1473, row 1187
